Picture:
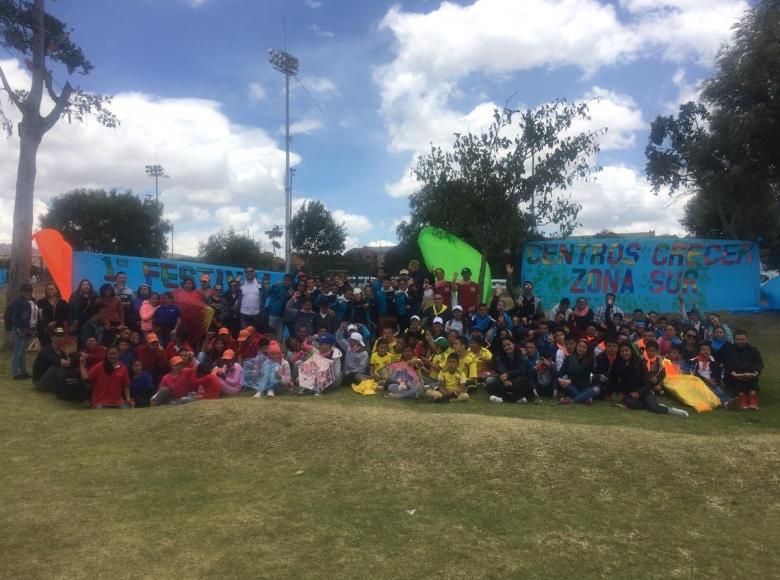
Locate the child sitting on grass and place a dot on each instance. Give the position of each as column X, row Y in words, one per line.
column 452, row 383
column 380, row 358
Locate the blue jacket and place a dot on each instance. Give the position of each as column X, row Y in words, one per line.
column 277, row 299
column 20, row 313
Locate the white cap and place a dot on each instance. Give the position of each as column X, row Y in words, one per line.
column 415, row 317
column 457, row 307
column 357, row 337
column 357, row 291
column 438, row 320
column 352, row 327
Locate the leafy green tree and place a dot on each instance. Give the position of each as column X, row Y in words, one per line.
column 721, row 152
column 502, row 186
column 28, row 31
column 315, row 232
column 230, row 248
column 94, row 220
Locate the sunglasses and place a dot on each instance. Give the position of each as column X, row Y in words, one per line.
column 691, row 336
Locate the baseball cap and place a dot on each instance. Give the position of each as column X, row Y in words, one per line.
column 438, row 320
column 357, row 337
column 205, row 278
column 152, row 337
column 176, row 360
column 327, row 338
column 229, row 354
column 414, row 317
column 458, row 307
column 243, row 335
column 403, row 271
column 274, row 349
column 441, row 341
column 466, row 271
column 357, row 291
column 58, row 332
column 352, row 327
column 224, row 330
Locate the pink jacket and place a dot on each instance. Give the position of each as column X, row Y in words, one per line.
column 234, row 376
column 146, row 313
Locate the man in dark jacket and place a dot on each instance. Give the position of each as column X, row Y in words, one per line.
column 229, row 308
column 742, row 368
column 20, row 311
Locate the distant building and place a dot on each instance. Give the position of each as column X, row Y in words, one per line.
column 373, row 256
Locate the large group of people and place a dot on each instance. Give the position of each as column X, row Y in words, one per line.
column 413, row 335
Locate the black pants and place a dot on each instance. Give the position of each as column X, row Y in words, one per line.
column 518, row 389
column 648, row 403
column 736, row 386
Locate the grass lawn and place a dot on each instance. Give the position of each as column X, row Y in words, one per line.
column 325, row 487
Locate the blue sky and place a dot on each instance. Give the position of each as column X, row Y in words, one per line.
column 193, row 88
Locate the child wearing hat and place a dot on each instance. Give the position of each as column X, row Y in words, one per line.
column 229, row 373
column 275, row 373
column 355, row 356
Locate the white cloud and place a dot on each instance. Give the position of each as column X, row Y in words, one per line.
column 304, row 126
column 256, row 93
column 313, row 3
column 319, row 32
column 213, row 163
column 618, row 113
column 686, row 91
column 382, row 243
column 355, row 224
column 321, row 85
column 620, row 199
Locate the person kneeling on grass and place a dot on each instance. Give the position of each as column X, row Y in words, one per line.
column 510, row 383
column 575, row 379
column 452, row 383
column 322, row 371
column 630, row 378
column 275, row 374
column 110, row 381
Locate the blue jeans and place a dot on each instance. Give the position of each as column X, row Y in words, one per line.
column 723, row 395
column 578, row 396
column 18, row 362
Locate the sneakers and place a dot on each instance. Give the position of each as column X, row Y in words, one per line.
column 494, row 399
column 675, row 412
column 753, row 402
column 462, row 397
column 743, row 401
column 588, row 402
column 522, row 401
column 538, row 400
column 566, row 401
column 441, row 399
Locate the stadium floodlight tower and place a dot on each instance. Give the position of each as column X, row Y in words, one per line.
column 286, row 64
column 157, row 172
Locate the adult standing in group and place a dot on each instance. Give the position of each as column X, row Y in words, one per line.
column 20, row 313
column 205, row 289
column 252, row 300
column 125, row 296
column 278, row 296
column 468, row 291
column 229, row 309
column 53, row 313
column 417, row 276
column 604, row 313
column 526, row 304
column 80, row 305
column 443, row 287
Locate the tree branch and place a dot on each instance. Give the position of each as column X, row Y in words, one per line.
column 11, row 94
column 59, row 105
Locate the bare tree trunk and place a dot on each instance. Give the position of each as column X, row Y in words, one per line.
column 31, row 130
column 21, row 244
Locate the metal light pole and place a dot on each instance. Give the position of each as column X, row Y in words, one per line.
column 157, row 172
column 286, row 64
